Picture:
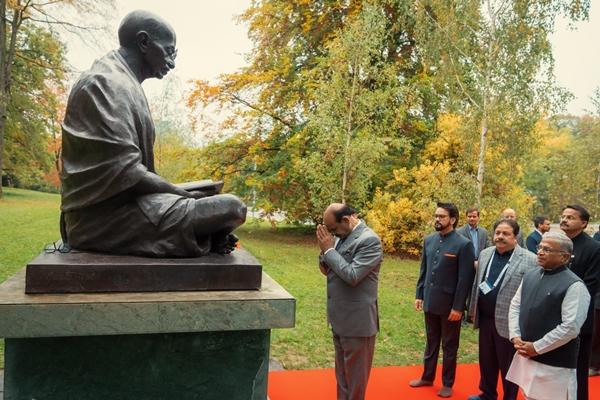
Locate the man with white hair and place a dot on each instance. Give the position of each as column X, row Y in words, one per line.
column 545, row 317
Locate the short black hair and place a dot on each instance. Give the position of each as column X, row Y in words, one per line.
column 452, row 210
column 539, row 221
column 472, row 209
column 514, row 224
column 585, row 214
column 343, row 211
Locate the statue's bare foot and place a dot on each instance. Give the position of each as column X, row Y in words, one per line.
column 224, row 245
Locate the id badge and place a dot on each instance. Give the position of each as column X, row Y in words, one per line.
column 485, row 287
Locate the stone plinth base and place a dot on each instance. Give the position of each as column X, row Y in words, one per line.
column 172, row 345
column 206, row 365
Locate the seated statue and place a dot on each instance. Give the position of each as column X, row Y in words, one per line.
column 112, row 199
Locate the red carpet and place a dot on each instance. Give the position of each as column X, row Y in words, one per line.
column 387, row 383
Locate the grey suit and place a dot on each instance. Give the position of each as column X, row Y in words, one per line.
column 522, row 261
column 495, row 350
column 483, row 240
column 352, row 280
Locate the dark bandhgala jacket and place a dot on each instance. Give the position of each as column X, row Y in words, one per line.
column 585, row 263
column 446, row 272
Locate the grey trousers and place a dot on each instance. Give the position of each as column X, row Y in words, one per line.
column 353, row 359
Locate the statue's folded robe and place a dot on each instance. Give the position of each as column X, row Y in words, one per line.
column 108, row 138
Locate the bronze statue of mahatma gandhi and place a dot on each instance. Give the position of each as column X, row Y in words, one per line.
column 112, row 199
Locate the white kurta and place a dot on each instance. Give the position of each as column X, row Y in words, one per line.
column 541, row 381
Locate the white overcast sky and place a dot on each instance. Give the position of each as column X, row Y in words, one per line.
column 210, row 43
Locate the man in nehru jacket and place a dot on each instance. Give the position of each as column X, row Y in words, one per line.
column 511, row 214
column 542, row 225
column 585, row 263
column 351, row 257
column 544, row 319
column 444, row 283
column 497, row 279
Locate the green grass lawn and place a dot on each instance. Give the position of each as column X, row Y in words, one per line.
column 289, row 255
column 29, row 219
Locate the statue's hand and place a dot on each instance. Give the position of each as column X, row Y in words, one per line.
column 196, row 194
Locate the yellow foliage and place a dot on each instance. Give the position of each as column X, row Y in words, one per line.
column 451, row 141
column 402, row 215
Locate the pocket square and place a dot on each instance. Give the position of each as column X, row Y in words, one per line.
column 450, row 255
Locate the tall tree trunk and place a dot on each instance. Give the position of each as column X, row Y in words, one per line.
column 346, row 172
column 3, row 68
column 486, row 103
column 6, row 67
column 481, row 168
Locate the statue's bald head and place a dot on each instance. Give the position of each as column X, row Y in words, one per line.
column 142, row 20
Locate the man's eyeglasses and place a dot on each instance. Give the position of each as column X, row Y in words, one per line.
column 547, row 250
column 52, row 248
column 438, row 216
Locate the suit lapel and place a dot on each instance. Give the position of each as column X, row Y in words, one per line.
column 515, row 262
column 355, row 234
column 483, row 263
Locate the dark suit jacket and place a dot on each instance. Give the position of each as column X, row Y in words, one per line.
column 352, row 280
column 521, row 261
column 585, row 263
column 533, row 240
column 482, row 237
column 447, row 272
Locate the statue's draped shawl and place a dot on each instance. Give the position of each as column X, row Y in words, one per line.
column 108, row 134
column 107, row 142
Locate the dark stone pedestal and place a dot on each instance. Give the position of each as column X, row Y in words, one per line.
column 84, row 272
column 206, row 365
column 155, row 346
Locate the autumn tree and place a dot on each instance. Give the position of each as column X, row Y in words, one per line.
column 266, row 108
column 358, row 106
column 32, row 134
column 494, row 65
column 66, row 15
column 566, row 167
